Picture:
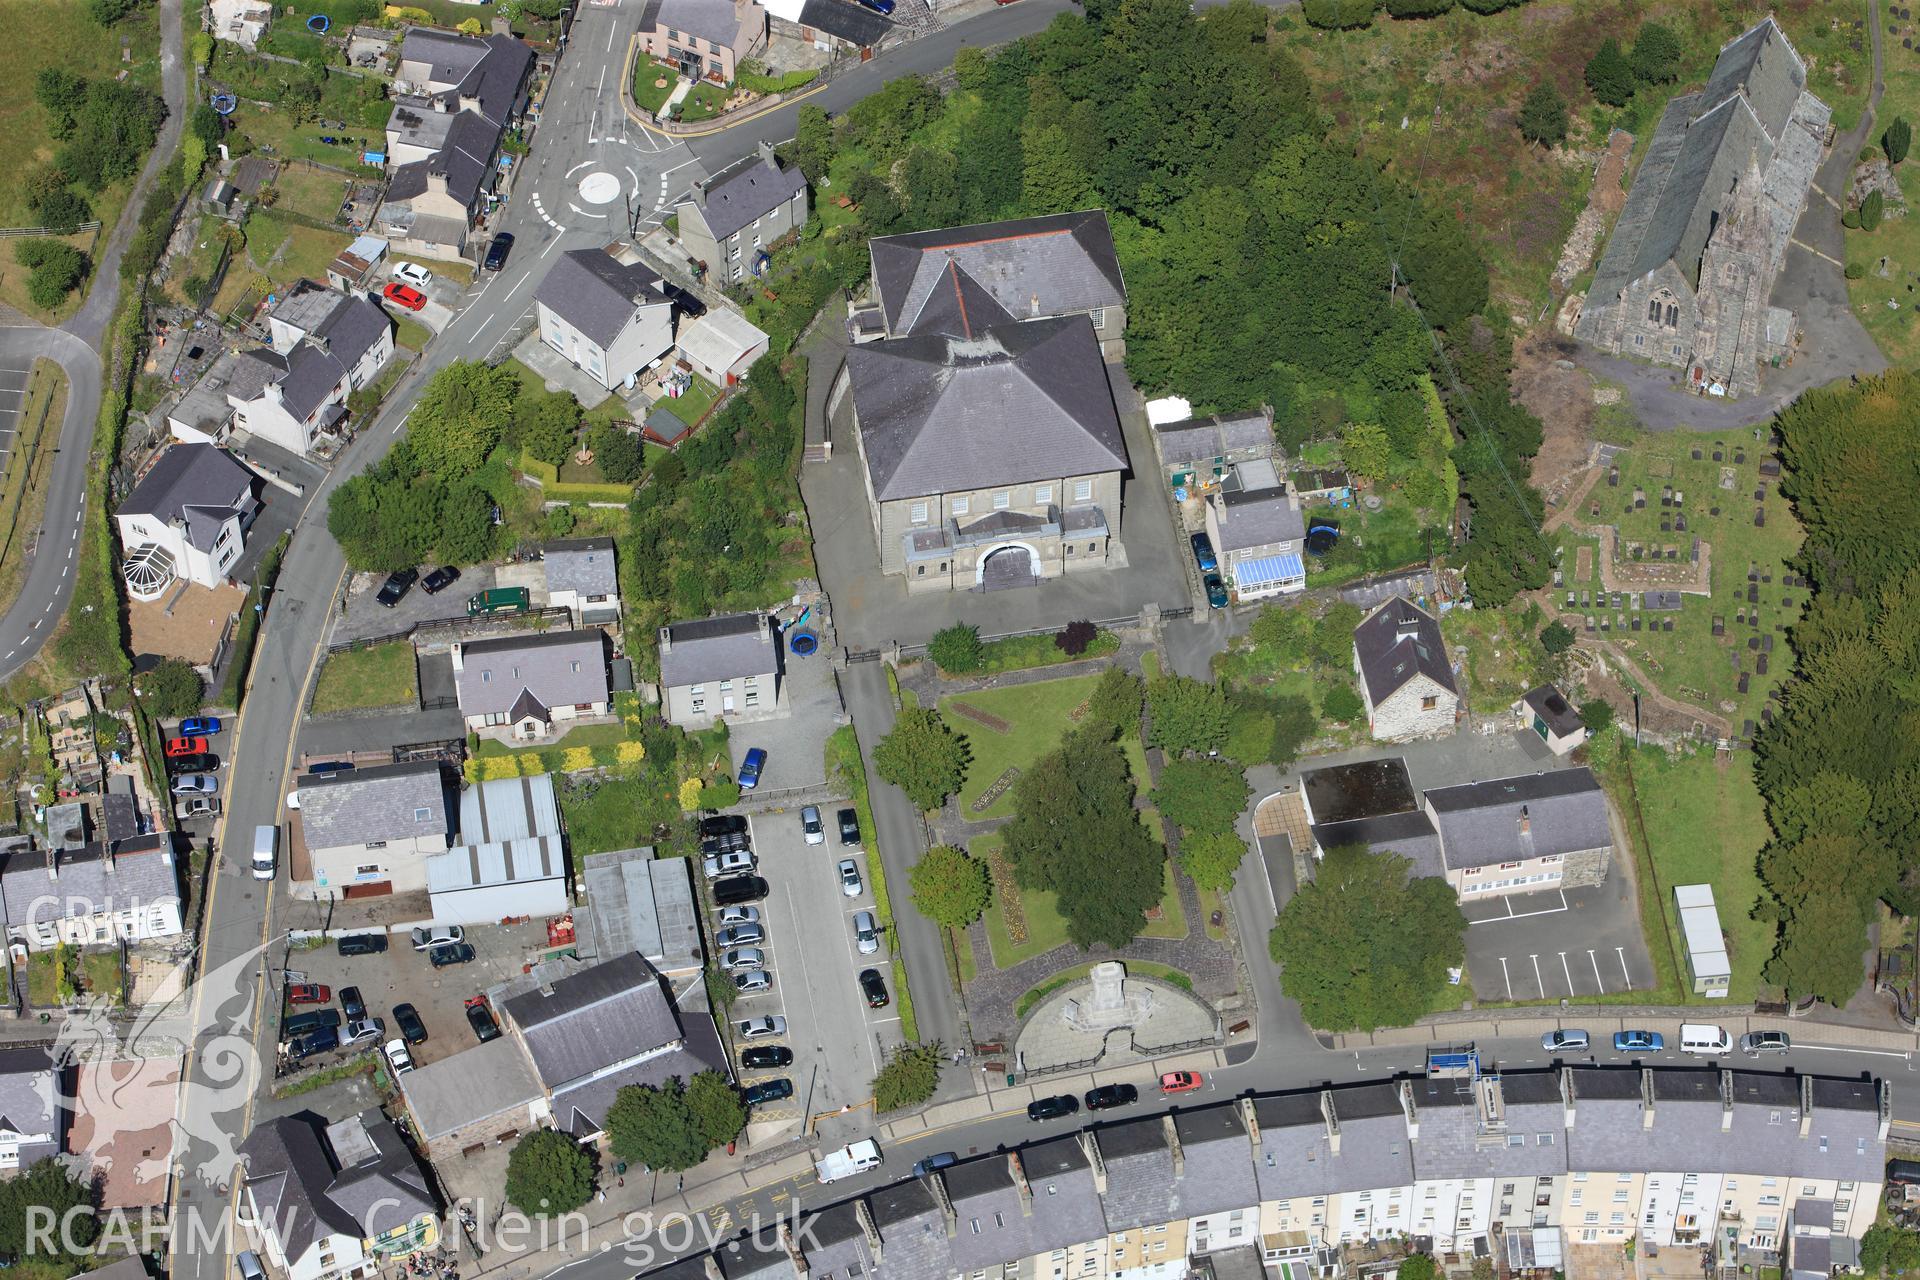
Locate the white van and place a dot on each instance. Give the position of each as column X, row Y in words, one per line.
column 1704, row 1039
column 266, row 850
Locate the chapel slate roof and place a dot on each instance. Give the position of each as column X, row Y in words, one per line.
column 384, row 802
column 1033, row 267
column 1340, row 793
column 200, row 485
column 729, row 647
column 751, row 189
column 1397, row 642
column 1025, row 402
column 596, row 1018
column 597, row 295
column 1514, row 819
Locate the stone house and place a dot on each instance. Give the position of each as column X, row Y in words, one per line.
column 293, row 393
column 611, row 320
column 367, row 832
column 1198, row 454
column 582, row 576
column 1523, row 834
column 724, row 223
column 727, row 667
column 703, row 39
column 1687, row 276
column 1258, row 536
column 1406, row 680
column 529, row 685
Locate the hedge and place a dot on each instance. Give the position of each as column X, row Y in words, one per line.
column 548, row 476
column 531, row 764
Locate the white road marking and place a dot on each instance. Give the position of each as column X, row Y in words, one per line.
column 1834, row 1048
column 584, row 164
column 1566, row 971
column 1507, row 976
column 517, row 288
column 1624, row 975
column 675, row 169
column 610, row 32
column 1538, row 981
column 1596, row 971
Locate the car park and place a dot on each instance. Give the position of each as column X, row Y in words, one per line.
column 766, row 1091
column 756, row 760
column 1755, row 1043
column 200, row 726
column 427, row 937
column 753, row 982
column 439, row 580
column 810, row 825
column 723, row 864
column 1060, row 1104
column 352, row 1004
column 1203, row 553
column 406, row 1020
column 1109, row 1096
column 739, row 915
column 732, row 842
column 398, row 1058
column 203, row 762
column 1181, row 1081
column 771, row 1024
column 450, row 953
column 849, row 826
column 363, row 1031
column 739, row 935
column 191, row 784
column 866, row 934
column 480, row 1018
column 314, row 1042
column 184, row 746
column 1565, row 1040
column 937, row 1161
column 738, row 958
column 401, row 295
column 362, row 944
column 1216, row 591
column 412, row 273
column 395, row 588
column 765, row 1056
column 1638, row 1042
column 738, row 889
column 724, row 824
column 850, row 885
column 874, row 988
column 309, row 993
column 497, row 250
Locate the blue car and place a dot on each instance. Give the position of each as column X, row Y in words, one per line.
column 1216, row 591
column 1638, row 1042
column 1203, row 553
column 750, row 768
column 199, row 726
column 879, row 6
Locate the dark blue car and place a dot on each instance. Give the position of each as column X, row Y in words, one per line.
column 1203, row 553
column 750, row 768
column 879, row 6
column 1216, row 591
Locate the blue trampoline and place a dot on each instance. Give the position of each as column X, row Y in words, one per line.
column 224, row 103
column 319, row 22
column 803, row 643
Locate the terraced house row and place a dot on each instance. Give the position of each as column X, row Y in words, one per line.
column 1750, row 1168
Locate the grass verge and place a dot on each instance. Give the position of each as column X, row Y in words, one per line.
column 381, row 675
column 23, row 492
column 843, row 761
column 359, row 1066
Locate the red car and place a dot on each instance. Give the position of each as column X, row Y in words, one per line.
column 309, row 993
column 402, row 296
column 186, row 746
column 1181, row 1081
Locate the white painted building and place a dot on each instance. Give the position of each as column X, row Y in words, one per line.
column 611, row 320
column 185, row 520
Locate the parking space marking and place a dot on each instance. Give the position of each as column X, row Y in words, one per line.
column 1538, row 981
column 1508, row 976
column 1511, row 914
column 1624, row 975
column 1597, row 980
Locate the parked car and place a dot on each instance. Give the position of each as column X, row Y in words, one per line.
column 738, row 889
column 401, row 295
column 1060, row 1104
column 300, row 1024
column 849, row 826
column 413, row 273
column 1181, row 1081
column 203, row 762
column 395, row 588
column 724, row 864
column 771, row 1024
column 185, row 746
column 1565, row 1040
column 362, row 944
column 850, row 884
column 195, row 784
column 762, row 1057
column 324, row 767
column 309, row 993
column 196, row 807
column 497, row 251
column 750, row 768
column 879, row 6
column 1638, row 1042
column 200, row 726
column 427, row 937
column 363, row 1031
column 741, row 958
column 480, row 1018
column 1755, row 1043
column 739, row 935
column 739, row 915
column 685, row 301
column 1216, row 591
column 866, row 934
column 352, row 1004
column 324, row 1040
column 729, row 843
column 938, row 1160
column 1109, row 1096
column 1203, row 553
column 724, row 824
column 398, row 1058
column 874, row 988
column 439, row 580
column 811, row 828
column 450, row 953
column 753, row 982
column 767, row 1091
column 406, row 1020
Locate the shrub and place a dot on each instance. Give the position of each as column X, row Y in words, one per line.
column 1897, row 138
column 1342, row 705
column 1870, row 210
column 1856, row 271
column 171, row 689
column 1074, row 638
column 957, row 650
column 1338, row 14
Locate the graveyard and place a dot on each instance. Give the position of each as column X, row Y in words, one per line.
column 1678, row 558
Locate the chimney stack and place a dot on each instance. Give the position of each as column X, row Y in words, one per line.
column 1646, row 1098
column 1091, row 1146
column 868, row 1228
column 1526, row 821
column 939, row 1185
column 666, row 641
column 1018, row 1172
column 766, row 153
column 1174, row 1148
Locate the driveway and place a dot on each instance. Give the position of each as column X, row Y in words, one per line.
column 796, row 743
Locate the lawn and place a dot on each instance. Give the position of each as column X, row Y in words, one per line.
column 1037, row 715
column 703, row 102
column 1884, row 297
column 647, row 95
column 692, row 406
column 382, row 675
column 586, row 735
column 287, row 251
column 1370, row 541
column 316, row 193
column 1043, row 926
column 412, row 335
column 1706, row 824
column 1691, row 662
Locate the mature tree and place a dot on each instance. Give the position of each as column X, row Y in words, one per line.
column 657, row 1127
column 1596, row 714
column 1333, row 635
column 1342, row 705
column 1889, row 1249
column 619, row 455
column 466, row 533
column 950, row 888
column 549, row 1174
column 930, row 188
column 1897, row 138
column 1363, row 946
column 1338, row 14
column 1250, row 724
column 957, row 649
column 1212, row 857
column 1293, row 724
column 1201, row 795
column 1419, row 8
column 1075, row 833
column 1448, row 277
column 55, row 270
column 1284, row 630
column 1871, row 210
column 1116, row 701
column 1556, row 638
column 108, row 12
column 1609, row 75
column 1417, row 1266
column 718, row 1110
column 171, row 688
column 63, row 94
column 1543, row 116
column 1366, row 450
column 546, row 424
column 112, row 132
column 460, row 417
column 45, row 1192
column 62, row 211
column 923, row 757
column 1185, row 714
column 1656, row 53
column 909, row 1077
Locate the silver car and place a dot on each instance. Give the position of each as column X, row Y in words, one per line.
column 850, row 878
column 811, row 827
column 743, row 958
column 725, row 864
column 739, row 915
column 772, row 1024
column 740, row 935
column 866, row 933
column 362, row 1031
column 753, row 982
